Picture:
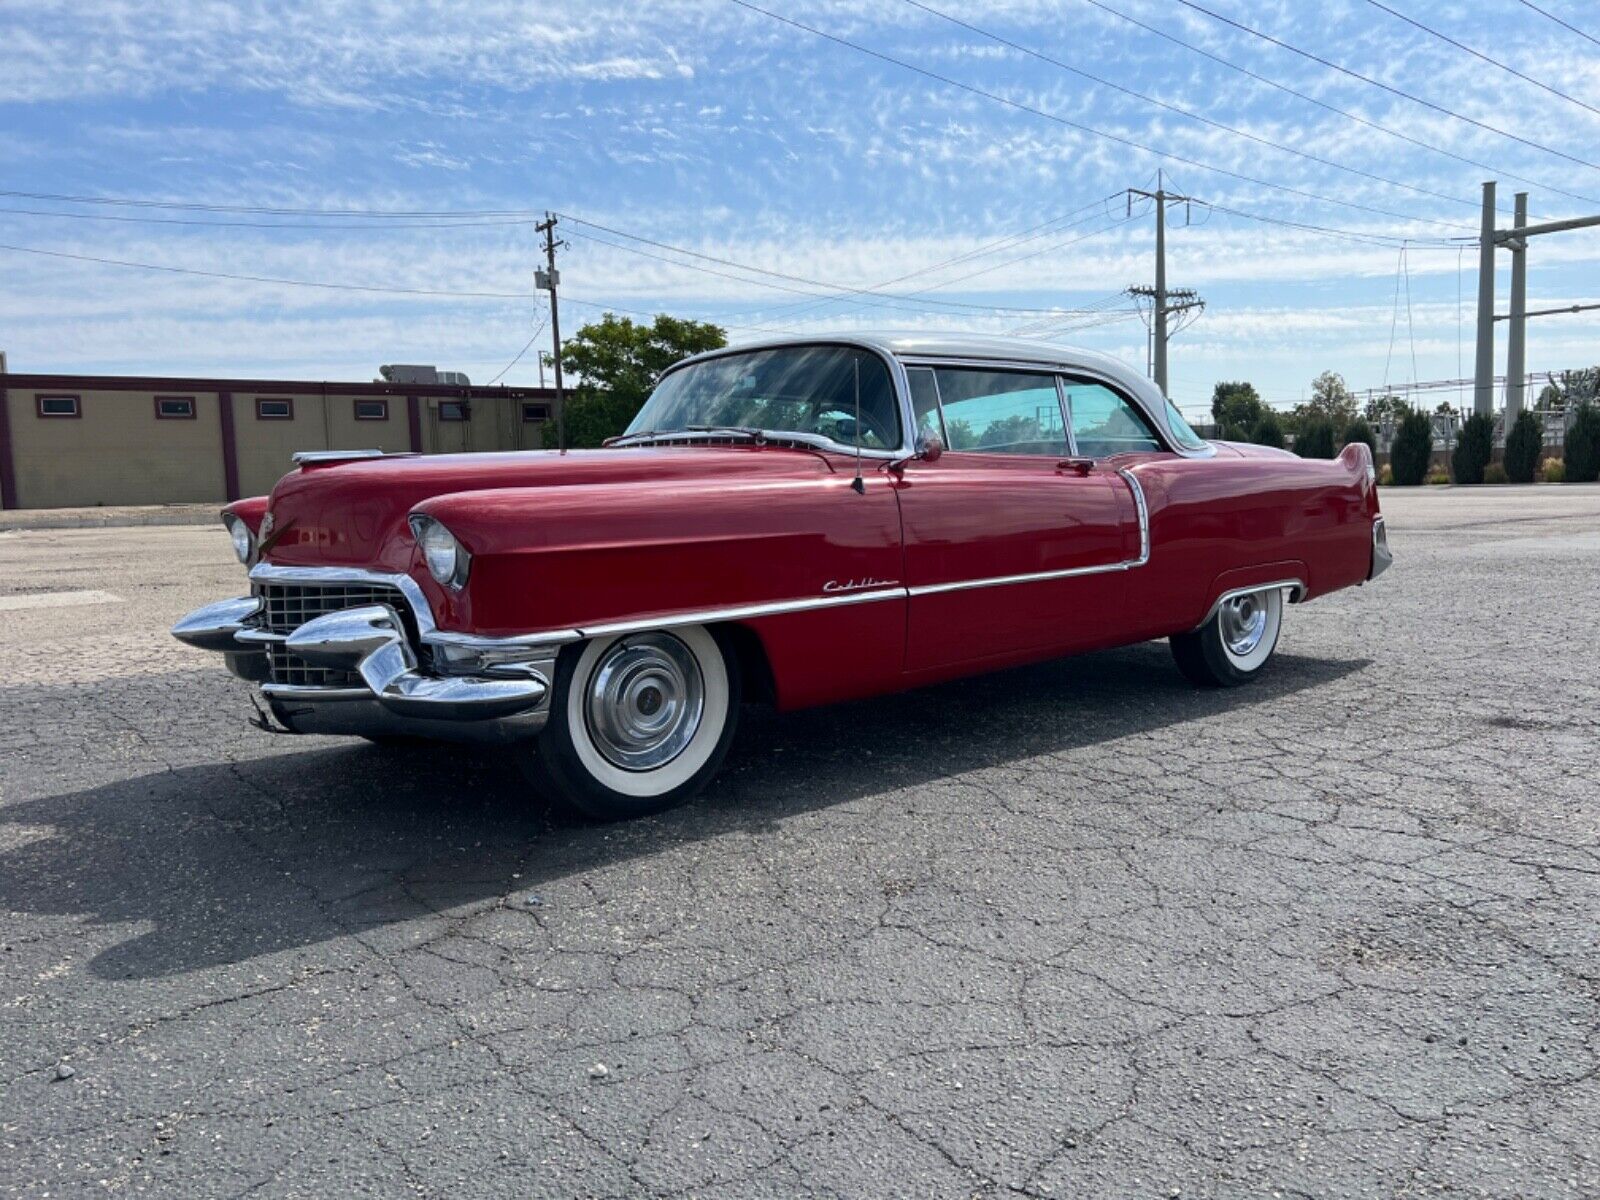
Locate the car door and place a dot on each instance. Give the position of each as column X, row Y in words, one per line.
column 1014, row 548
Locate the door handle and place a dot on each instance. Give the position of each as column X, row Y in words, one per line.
column 1081, row 465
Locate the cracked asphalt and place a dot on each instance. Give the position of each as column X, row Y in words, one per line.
column 1077, row 930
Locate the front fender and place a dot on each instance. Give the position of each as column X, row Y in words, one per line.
column 554, row 558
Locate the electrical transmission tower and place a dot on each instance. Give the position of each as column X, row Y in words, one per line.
column 1514, row 239
column 1164, row 303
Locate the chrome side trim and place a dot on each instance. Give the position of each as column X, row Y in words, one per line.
column 740, row 612
column 1144, row 515
column 1295, row 587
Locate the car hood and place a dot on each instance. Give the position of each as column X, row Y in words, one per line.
column 353, row 513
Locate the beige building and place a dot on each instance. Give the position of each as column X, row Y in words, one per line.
column 80, row 440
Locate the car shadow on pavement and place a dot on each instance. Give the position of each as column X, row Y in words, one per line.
column 220, row 863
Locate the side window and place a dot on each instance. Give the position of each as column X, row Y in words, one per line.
column 925, row 402
column 1103, row 423
column 1001, row 412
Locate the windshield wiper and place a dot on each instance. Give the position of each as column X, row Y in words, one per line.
column 749, row 431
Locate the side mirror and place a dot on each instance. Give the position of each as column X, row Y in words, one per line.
column 928, row 448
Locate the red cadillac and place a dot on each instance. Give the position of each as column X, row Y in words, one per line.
column 799, row 521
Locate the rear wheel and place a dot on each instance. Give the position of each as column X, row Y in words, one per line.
column 638, row 723
column 1234, row 645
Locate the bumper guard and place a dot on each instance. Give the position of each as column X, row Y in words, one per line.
column 502, row 693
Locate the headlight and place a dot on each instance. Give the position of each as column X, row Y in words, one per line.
column 244, row 542
column 448, row 561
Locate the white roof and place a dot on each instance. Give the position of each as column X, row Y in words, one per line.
column 984, row 346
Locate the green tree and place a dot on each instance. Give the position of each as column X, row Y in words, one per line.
column 617, row 363
column 1268, row 430
column 1474, row 449
column 1581, row 451
column 1524, row 444
column 1359, row 431
column 1387, row 407
column 1330, row 400
column 1412, row 449
column 1235, row 407
column 1315, row 438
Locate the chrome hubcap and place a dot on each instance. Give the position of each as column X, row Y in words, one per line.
column 1243, row 621
column 644, row 701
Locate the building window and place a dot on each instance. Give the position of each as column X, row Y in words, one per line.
column 372, row 410
column 532, row 413
column 455, row 410
column 59, row 406
column 174, row 408
column 274, row 408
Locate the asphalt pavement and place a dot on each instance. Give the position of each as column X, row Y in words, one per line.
column 1077, row 930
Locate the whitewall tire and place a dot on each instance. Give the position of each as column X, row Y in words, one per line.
column 1236, row 642
column 639, row 722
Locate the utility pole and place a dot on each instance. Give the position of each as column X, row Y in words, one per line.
column 1179, row 301
column 1517, row 342
column 548, row 280
column 1483, row 369
column 1162, row 197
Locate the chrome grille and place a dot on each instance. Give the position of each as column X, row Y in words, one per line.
column 287, row 606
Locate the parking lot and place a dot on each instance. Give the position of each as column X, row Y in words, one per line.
column 1074, row 930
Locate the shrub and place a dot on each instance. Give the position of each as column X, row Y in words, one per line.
column 1267, row 431
column 1359, row 431
column 1582, row 451
column 1315, row 438
column 1495, row 473
column 1386, row 476
column 1523, row 445
column 1555, row 471
column 1439, row 477
column 1412, row 449
column 1473, row 449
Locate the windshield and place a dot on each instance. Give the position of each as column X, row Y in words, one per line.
column 790, row 389
column 1181, row 432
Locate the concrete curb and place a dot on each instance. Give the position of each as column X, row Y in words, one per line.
column 109, row 518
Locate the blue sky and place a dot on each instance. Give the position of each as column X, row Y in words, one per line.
column 703, row 126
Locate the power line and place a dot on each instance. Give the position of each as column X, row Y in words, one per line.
column 833, row 291
column 1190, row 113
column 1493, row 62
column 858, row 295
column 1560, row 22
column 439, row 223
column 265, row 210
column 1367, row 79
column 1010, row 241
column 321, row 284
column 537, row 330
column 1337, row 111
column 1354, row 235
column 1060, row 120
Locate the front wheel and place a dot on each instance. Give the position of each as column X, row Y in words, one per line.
column 1233, row 646
column 638, row 723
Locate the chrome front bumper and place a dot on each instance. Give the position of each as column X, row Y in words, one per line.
column 471, row 689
